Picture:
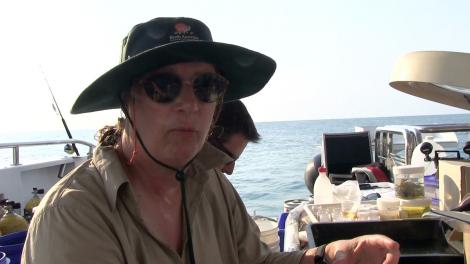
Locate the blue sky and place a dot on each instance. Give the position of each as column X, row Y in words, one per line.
column 334, row 57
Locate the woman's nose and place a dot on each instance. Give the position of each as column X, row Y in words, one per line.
column 228, row 168
column 187, row 98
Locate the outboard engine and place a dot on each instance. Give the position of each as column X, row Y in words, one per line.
column 311, row 172
column 466, row 149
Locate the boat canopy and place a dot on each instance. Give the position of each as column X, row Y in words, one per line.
column 439, row 76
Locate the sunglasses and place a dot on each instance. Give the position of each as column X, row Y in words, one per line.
column 165, row 87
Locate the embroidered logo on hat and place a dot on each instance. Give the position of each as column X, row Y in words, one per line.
column 182, row 33
column 182, row 28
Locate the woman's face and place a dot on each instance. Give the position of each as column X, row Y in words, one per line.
column 175, row 131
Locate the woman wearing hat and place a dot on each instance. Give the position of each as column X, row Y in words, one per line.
column 152, row 193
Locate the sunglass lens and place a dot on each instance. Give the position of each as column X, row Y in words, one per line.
column 163, row 88
column 209, row 87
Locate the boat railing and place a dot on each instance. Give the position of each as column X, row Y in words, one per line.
column 397, row 159
column 15, row 146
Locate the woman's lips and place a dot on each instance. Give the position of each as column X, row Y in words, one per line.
column 188, row 129
column 184, row 130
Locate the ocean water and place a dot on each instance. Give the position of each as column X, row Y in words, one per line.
column 268, row 172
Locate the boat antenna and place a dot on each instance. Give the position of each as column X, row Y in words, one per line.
column 57, row 110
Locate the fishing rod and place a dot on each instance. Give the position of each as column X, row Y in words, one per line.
column 57, row 110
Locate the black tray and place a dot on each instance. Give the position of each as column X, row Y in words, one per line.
column 421, row 240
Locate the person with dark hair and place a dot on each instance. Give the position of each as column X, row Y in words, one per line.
column 232, row 132
column 152, row 192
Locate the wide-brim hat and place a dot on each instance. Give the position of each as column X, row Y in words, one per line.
column 165, row 41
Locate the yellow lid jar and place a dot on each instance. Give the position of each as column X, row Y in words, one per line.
column 414, row 208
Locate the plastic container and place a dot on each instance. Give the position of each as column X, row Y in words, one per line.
column 324, row 216
column 374, row 215
column 281, row 234
column 4, row 259
column 13, row 252
column 281, row 224
column 268, row 232
column 409, row 181
column 389, row 208
column 293, row 203
column 322, row 189
column 13, row 238
column 364, row 212
column 414, row 208
column 349, row 209
column 431, row 190
column 362, row 215
column 12, row 245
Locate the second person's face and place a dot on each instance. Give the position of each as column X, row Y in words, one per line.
column 235, row 145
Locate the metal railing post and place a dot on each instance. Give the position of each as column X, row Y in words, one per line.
column 16, row 155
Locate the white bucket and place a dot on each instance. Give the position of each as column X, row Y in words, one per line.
column 268, row 232
column 291, row 204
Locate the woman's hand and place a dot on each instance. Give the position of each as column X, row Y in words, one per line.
column 363, row 249
column 368, row 249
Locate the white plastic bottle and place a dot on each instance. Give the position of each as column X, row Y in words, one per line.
column 322, row 188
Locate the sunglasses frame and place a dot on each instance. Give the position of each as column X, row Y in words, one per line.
column 157, row 94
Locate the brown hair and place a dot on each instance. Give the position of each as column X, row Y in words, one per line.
column 109, row 135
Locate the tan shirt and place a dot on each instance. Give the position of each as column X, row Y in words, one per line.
column 91, row 216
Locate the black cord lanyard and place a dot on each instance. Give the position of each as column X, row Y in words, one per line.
column 180, row 176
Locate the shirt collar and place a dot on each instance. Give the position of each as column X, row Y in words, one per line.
column 111, row 171
column 113, row 175
column 211, row 157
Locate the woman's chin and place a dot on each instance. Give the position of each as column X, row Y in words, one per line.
column 182, row 156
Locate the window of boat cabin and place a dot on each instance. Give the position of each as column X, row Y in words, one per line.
column 343, row 151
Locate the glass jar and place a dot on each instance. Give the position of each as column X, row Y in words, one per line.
column 409, row 181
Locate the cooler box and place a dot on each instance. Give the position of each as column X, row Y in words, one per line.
column 454, row 182
column 421, row 240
